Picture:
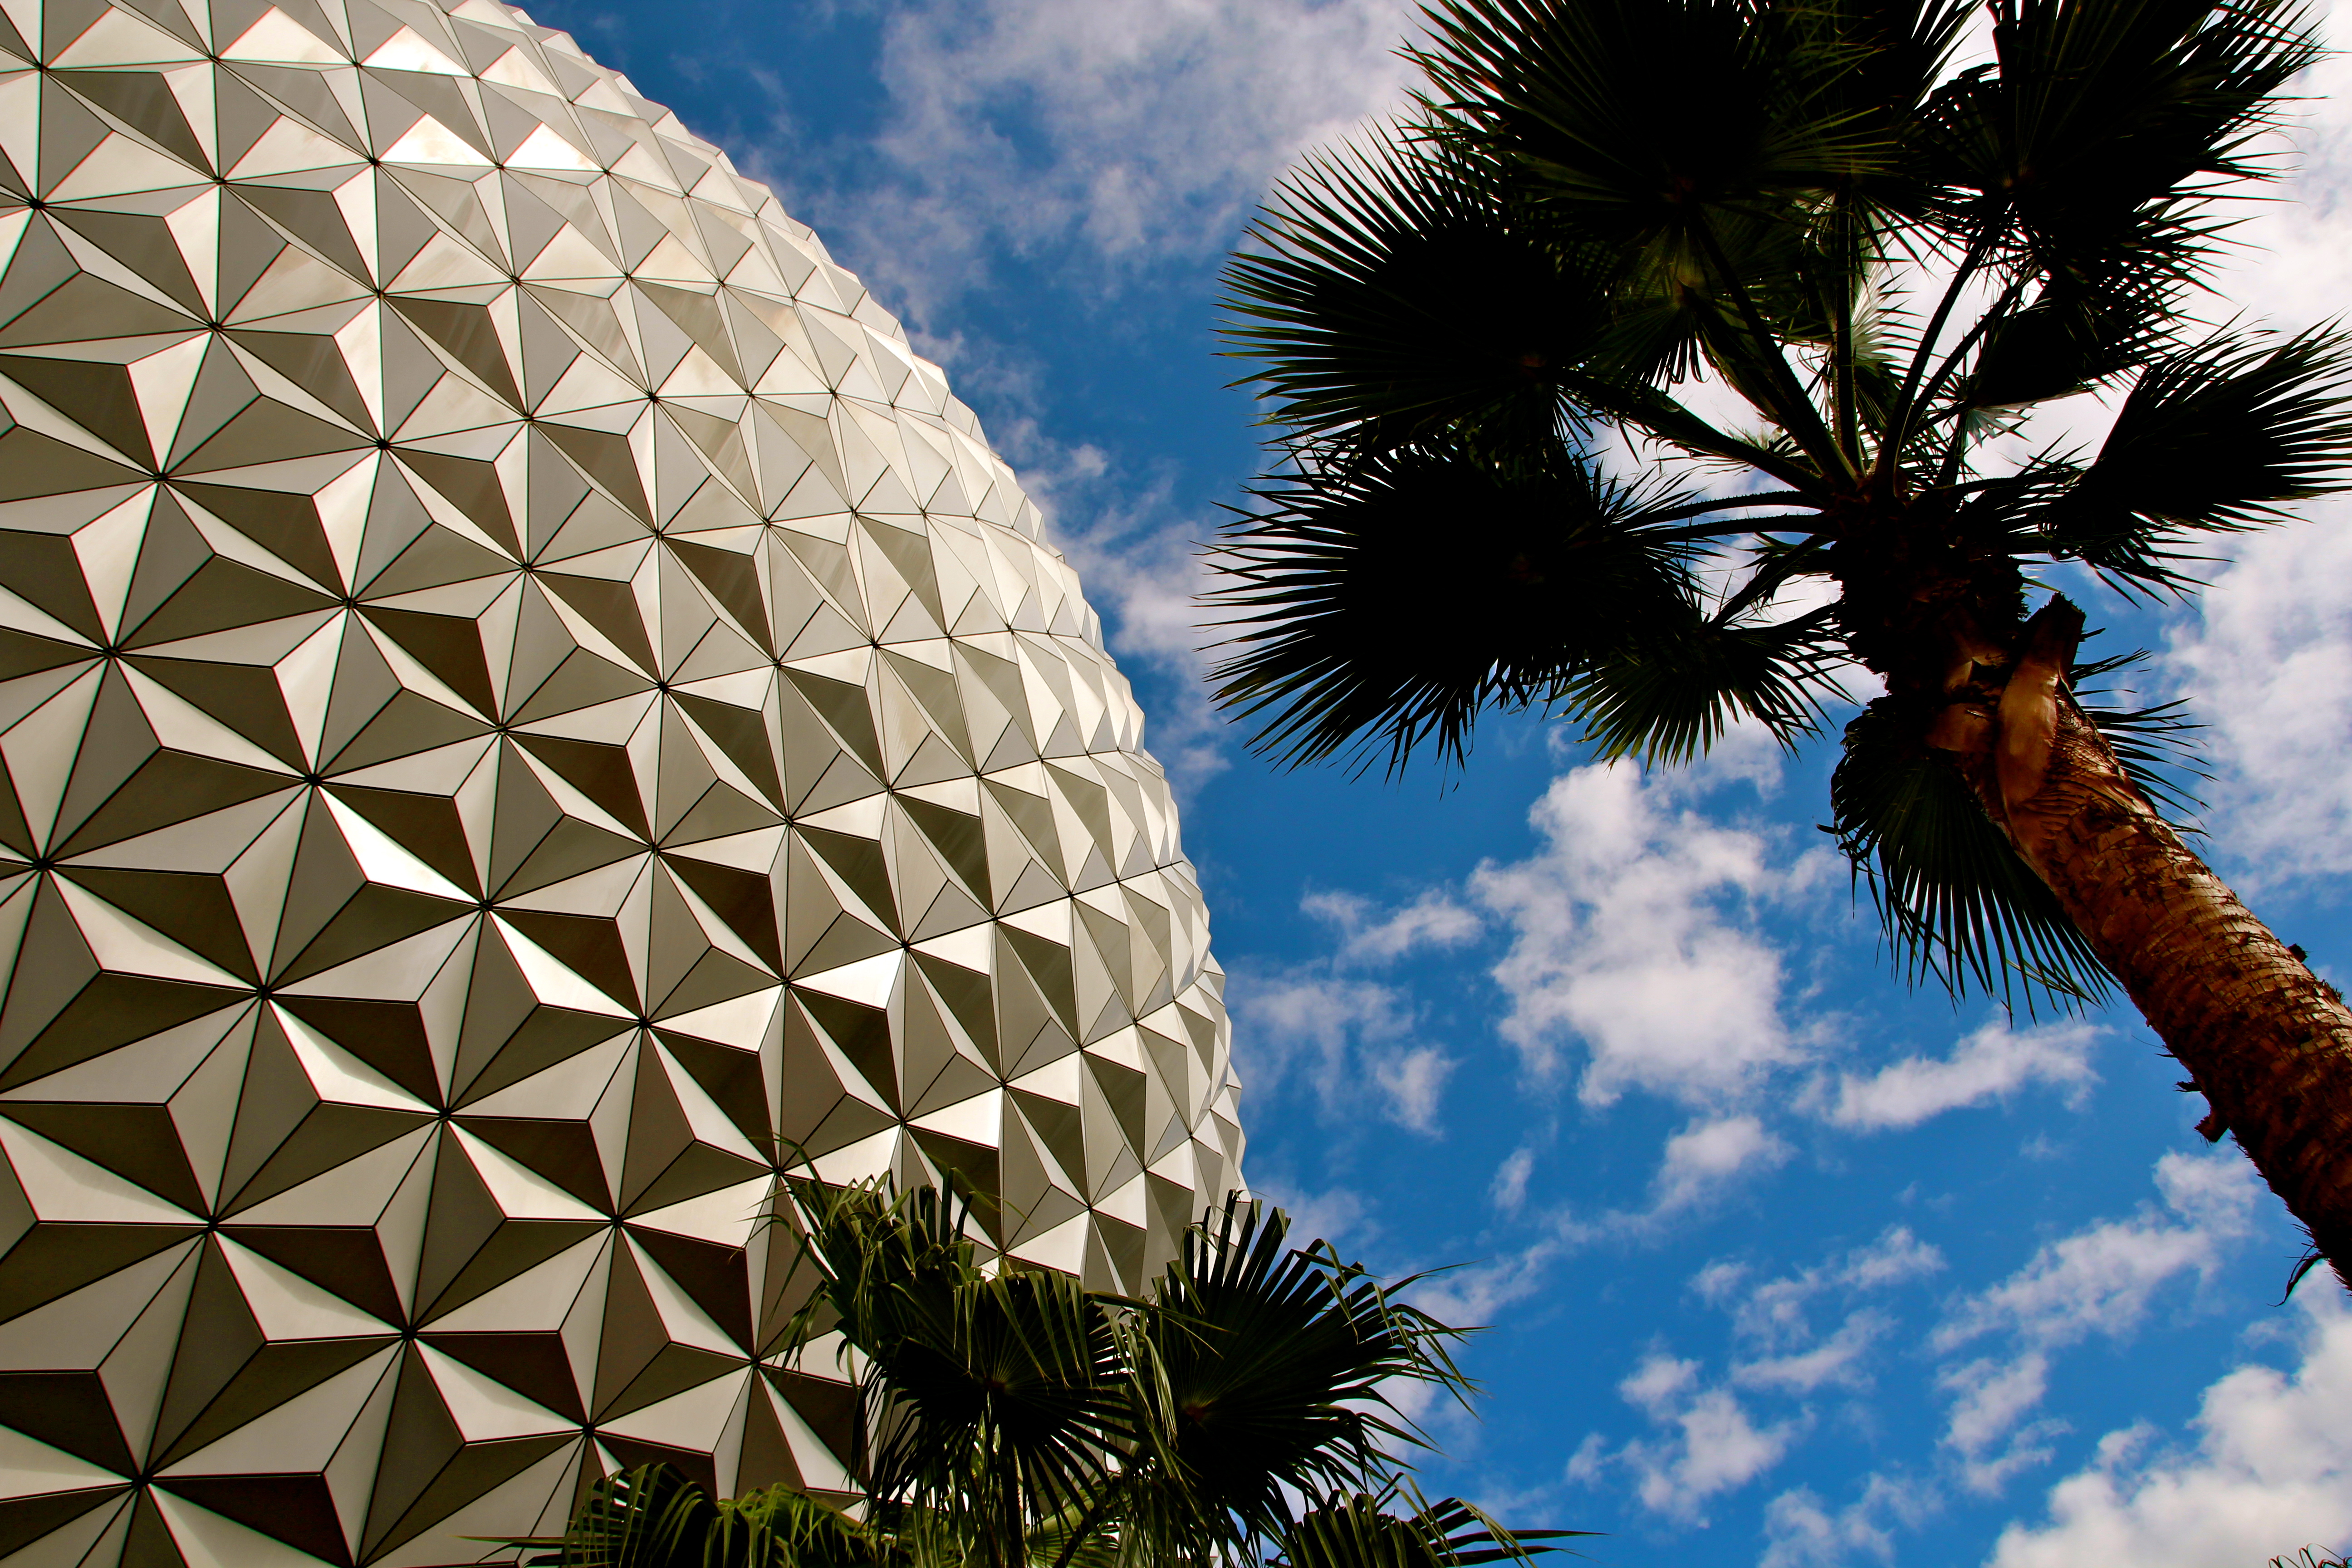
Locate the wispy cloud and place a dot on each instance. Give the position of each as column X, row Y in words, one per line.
column 1712, row 1440
column 2268, row 665
column 1837, row 1360
column 1710, row 1443
column 1348, row 1042
column 1985, row 1427
column 1772, row 1318
column 1802, row 1531
column 1992, row 1063
column 1706, row 1156
column 2099, row 1282
column 1371, row 935
column 1508, row 1191
column 1103, row 137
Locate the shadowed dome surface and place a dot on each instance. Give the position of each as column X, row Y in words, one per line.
column 521, row 700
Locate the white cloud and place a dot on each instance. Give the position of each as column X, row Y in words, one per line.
column 1470, row 1296
column 1414, row 1081
column 2099, row 1281
column 1370, row 935
column 1983, row 1428
column 1347, row 1041
column 1706, row 1156
column 1801, row 1532
column 1633, row 930
column 2268, row 667
column 1713, row 1442
column 1658, row 1383
column 1711, row 1446
column 1836, row 1360
column 1509, row 1190
column 2269, row 1470
column 1895, row 1256
column 1709, row 1443
column 1335, row 1214
column 1770, row 1318
column 1992, row 1063
column 1771, row 1314
column 1119, row 132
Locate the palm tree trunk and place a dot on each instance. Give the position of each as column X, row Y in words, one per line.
column 2267, row 1044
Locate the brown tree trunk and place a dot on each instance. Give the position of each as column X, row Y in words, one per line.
column 2268, row 1046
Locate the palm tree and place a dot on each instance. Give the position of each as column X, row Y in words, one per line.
column 1013, row 1418
column 1478, row 334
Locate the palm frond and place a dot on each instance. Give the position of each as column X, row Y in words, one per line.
column 2154, row 745
column 1955, row 903
column 888, row 1260
column 1629, row 118
column 1668, row 695
column 2069, row 340
column 1026, row 1371
column 1268, row 1374
column 2212, row 439
column 1357, row 1531
column 654, row 1516
column 2094, row 147
column 1393, row 296
column 1386, row 602
column 1021, row 1366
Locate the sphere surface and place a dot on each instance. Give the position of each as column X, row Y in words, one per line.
column 526, row 709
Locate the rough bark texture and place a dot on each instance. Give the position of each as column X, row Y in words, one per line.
column 2267, row 1044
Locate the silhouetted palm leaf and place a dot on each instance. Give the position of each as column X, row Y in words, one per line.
column 2211, row 440
column 1956, row 903
column 1351, row 627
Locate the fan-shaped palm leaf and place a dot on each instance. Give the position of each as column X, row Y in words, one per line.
column 1567, row 593
column 1263, row 1374
column 996, row 1396
column 1357, row 1531
column 654, row 1516
column 2210, row 440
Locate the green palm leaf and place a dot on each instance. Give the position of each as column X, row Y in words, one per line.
column 989, row 1399
column 1357, row 1531
column 2212, row 439
column 1668, row 694
column 1263, row 1374
column 1629, row 119
column 653, row 1516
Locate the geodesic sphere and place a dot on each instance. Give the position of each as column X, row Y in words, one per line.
column 526, row 710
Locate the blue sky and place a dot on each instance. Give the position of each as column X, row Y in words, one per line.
column 1784, row 1264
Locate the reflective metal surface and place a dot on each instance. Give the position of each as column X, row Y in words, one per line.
column 523, row 703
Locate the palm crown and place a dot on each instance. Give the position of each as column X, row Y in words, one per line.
column 1479, row 336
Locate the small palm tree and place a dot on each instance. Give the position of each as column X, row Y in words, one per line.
column 1478, row 336
column 1013, row 1418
